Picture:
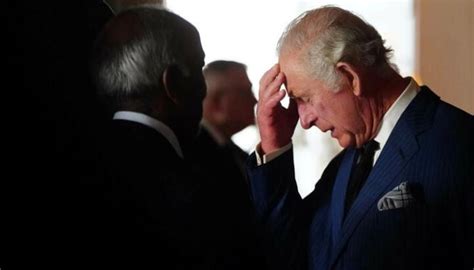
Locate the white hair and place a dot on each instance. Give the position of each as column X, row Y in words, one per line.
column 123, row 73
column 329, row 35
column 130, row 62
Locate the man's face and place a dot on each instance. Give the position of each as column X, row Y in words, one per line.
column 338, row 112
column 238, row 100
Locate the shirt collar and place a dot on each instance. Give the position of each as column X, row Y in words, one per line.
column 153, row 123
column 391, row 117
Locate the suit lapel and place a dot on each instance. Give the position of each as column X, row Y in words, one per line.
column 399, row 149
column 339, row 193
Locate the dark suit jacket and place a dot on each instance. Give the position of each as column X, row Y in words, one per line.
column 147, row 207
column 431, row 148
column 228, row 188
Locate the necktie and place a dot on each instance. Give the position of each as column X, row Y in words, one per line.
column 360, row 172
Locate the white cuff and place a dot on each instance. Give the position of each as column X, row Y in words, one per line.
column 270, row 156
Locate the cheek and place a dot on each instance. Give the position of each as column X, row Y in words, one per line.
column 351, row 123
column 348, row 117
column 322, row 112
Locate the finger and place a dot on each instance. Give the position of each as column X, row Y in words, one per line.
column 275, row 100
column 269, row 75
column 273, row 87
column 267, row 78
column 268, row 105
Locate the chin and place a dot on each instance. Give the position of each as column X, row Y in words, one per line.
column 343, row 144
column 346, row 141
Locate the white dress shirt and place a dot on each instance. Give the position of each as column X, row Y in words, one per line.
column 387, row 124
column 153, row 123
column 393, row 114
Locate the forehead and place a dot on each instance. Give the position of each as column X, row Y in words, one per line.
column 295, row 73
column 299, row 81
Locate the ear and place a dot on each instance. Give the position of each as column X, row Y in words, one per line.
column 351, row 76
column 172, row 83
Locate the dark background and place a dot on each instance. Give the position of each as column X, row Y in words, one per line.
column 51, row 121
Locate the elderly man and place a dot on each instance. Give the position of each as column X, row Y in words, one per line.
column 147, row 66
column 400, row 194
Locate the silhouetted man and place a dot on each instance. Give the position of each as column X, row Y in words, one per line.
column 147, row 65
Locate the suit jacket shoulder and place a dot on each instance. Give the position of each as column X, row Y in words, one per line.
column 148, row 208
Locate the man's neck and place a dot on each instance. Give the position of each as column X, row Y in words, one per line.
column 393, row 88
column 385, row 91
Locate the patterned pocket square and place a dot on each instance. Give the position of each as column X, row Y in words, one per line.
column 399, row 197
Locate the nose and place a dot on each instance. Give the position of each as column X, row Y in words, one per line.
column 306, row 117
column 304, row 123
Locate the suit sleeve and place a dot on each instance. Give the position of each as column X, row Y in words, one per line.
column 279, row 209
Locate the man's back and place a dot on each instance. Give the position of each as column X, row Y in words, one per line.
column 150, row 210
column 146, row 65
